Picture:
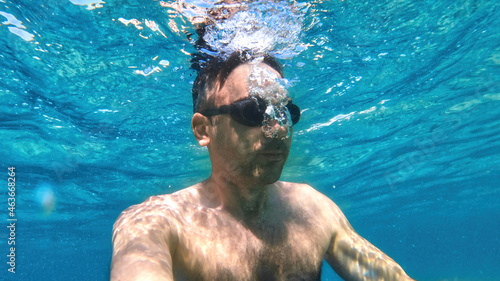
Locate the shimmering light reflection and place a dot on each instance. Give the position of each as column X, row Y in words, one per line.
column 22, row 33
column 342, row 117
column 195, row 14
column 152, row 25
column 135, row 22
column 337, row 118
column 18, row 28
column 91, row 4
column 148, row 71
column 11, row 20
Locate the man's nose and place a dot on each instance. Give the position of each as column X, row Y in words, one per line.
column 278, row 130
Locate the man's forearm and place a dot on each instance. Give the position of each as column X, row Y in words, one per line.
column 357, row 259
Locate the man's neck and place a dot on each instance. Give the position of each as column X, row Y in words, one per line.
column 243, row 201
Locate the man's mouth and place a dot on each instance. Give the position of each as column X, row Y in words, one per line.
column 273, row 155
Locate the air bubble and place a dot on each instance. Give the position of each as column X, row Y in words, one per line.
column 267, row 85
column 262, row 27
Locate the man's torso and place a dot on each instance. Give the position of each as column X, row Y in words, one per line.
column 288, row 244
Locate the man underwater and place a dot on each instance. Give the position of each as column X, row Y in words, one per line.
column 242, row 223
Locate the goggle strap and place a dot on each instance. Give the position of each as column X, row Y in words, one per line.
column 209, row 112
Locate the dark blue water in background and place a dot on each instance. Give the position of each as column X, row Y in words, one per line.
column 401, row 127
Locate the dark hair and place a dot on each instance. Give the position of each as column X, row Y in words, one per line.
column 217, row 69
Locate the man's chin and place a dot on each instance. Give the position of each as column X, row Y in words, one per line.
column 268, row 175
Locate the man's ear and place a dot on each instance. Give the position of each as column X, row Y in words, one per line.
column 200, row 125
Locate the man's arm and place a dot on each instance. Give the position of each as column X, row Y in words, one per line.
column 354, row 258
column 142, row 246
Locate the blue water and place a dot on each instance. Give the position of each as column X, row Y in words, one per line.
column 401, row 127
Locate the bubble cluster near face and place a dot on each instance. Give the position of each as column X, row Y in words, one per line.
column 267, row 85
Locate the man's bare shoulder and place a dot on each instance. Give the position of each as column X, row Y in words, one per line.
column 154, row 205
column 307, row 197
column 306, row 193
column 158, row 207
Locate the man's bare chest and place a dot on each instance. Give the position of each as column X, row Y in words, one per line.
column 216, row 247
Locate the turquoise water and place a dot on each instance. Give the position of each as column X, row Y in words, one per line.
column 400, row 127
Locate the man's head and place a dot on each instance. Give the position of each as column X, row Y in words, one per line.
column 216, row 71
column 238, row 151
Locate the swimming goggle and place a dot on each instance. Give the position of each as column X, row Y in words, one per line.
column 250, row 111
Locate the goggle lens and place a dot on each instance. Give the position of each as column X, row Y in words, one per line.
column 250, row 111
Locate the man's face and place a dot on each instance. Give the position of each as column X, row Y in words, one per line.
column 242, row 153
